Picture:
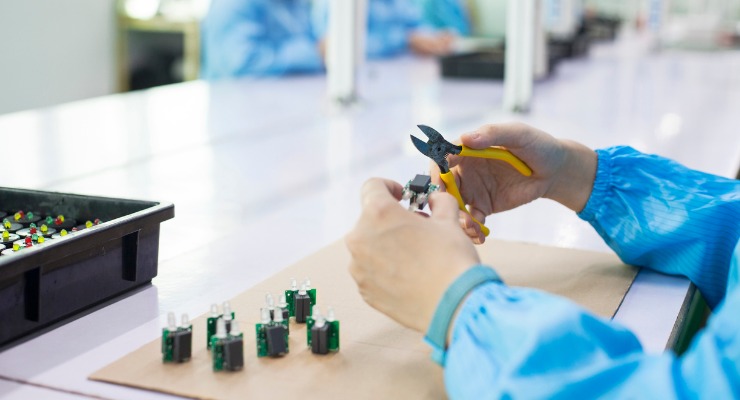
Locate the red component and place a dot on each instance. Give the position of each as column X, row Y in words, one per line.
column 33, row 230
column 97, row 221
column 58, row 221
column 28, row 241
column 74, row 229
column 21, row 213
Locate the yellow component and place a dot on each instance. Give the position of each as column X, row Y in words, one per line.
column 44, row 228
column 63, row 232
column 41, row 239
column 17, row 216
column 6, row 235
column 498, row 153
column 449, row 179
column 61, row 217
column 16, row 247
column 7, row 224
column 88, row 224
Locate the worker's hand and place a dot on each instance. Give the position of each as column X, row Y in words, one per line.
column 563, row 171
column 404, row 261
column 437, row 44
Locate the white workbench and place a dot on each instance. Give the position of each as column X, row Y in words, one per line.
column 255, row 167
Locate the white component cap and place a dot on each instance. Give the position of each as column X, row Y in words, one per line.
column 171, row 321
column 265, row 315
column 221, row 328
column 406, row 194
column 319, row 320
column 227, row 311
column 235, row 331
column 293, row 284
column 214, row 310
column 277, row 315
column 283, row 301
column 270, row 301
column 307, row 283
column 303, row 289
column 330, row 314
column 185, row 321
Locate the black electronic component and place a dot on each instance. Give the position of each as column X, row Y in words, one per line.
column 233, row 353
column 302, row 306
column 420, row 183
column 320, row 339
column 276, row 340
column 182, row 345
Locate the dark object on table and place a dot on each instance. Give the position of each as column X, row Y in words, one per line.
column 487, row 64
column 47, row 284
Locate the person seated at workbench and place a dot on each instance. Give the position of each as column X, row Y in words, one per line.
column 259, row 38
column 393, row 28
column 496, row 341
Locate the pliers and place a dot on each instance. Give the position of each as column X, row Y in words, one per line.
column 437, row 148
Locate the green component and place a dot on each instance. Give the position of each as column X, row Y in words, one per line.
column 333, row 333
column 211, row 328
column 290, row 299
column 261, row 337
column 217, row 351
column 167, row 346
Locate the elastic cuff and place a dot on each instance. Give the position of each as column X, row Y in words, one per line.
column 601, row 186
column 436, row 335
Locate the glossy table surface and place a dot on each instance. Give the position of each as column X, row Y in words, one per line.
column 265, row 172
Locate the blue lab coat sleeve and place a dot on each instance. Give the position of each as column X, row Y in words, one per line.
column 522, row 343
column 259, row 38
column 451, row 15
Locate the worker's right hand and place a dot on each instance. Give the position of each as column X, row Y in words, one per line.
column 563, row 171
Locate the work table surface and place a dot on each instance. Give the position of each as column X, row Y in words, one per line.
column 265, row 172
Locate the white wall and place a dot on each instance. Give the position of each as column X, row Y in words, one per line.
column 54, row 51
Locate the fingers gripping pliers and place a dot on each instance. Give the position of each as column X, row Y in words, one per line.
column 437, row 148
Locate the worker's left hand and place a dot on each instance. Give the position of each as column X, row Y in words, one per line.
column 404, row 261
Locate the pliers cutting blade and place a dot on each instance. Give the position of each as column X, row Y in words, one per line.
column 437, row 148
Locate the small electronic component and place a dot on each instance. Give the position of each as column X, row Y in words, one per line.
column 282, row 309
column 177, row 341
column 227, row 347
column 417, row 191
column 322, row 333
column 302, row 306
column 271, row 335
column 227, row 315
column 283, row 306
column 292, row 293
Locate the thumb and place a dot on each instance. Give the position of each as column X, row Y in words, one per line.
column 444, row 207
column 510, row 135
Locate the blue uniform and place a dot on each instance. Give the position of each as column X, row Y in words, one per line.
column 259, row 37
column 451, row 15
column 523, row 343
column 389, row 24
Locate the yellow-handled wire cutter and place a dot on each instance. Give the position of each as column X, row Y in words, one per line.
column 437, row 148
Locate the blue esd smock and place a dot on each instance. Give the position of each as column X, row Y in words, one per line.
column 258, row 38
column 389, row 24
column 523, row 343
column 451, row 15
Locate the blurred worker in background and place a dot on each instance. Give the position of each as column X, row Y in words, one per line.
column 394, row 27
column 496, row 341
column 259, row 38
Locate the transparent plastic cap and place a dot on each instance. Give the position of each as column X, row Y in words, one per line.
column 303, row 289
column 277, row 316
column 265, row 315
column 283, row 301
column 330, row 314
column 185, row 321
column 235, row 331
column 171, row 321
column 227, row 311
column 214, row 310
column 270, row 301
column 221, row 328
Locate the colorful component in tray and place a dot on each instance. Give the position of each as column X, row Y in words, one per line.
column 322, row 333
column 18, row 215
column 88, row 224
column 177, row 341
column 212, row 321
column 33, row 228
column 44, row 229
column 227, row 347
column 292, row 296
column 271, row 334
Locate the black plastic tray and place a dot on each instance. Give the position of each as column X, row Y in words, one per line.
column 49, row 283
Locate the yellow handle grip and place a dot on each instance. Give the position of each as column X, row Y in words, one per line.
column 498, row 153
column 449, row 181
